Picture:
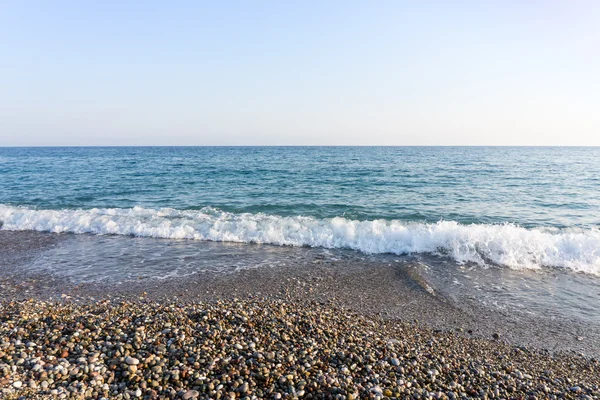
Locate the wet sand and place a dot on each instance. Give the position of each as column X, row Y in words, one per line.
column 394, row 291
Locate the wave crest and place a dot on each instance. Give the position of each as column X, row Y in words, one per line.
column 506, row 244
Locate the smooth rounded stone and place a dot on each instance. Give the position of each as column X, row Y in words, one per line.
column 17, row 384
column 519, row 374
column 395, row 362
column 131, row 360
column 190, row 394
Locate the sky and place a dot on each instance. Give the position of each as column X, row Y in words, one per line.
column 299, row 72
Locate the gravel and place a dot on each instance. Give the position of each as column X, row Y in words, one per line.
column 258, row 348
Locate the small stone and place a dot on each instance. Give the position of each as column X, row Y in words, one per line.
column 190, row 394
column 395, row 362
column 496, row 336
column 519, row 374
column 17, row 384
column 131, row 361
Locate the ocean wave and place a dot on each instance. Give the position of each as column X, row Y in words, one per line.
column 500, row 244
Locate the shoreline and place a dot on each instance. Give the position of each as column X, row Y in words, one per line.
column 391, row 291
column 404, row 336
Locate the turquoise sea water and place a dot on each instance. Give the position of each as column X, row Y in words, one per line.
column 515, row 228
column 553, row 187
column 522, row 208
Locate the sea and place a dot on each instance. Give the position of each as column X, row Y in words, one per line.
column 515, row 228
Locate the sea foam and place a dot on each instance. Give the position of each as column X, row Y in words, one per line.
column 501, row 244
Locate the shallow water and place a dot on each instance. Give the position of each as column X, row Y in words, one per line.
column 120, row 260
column 554, row 311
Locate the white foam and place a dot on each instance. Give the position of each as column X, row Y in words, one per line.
column 506, row 244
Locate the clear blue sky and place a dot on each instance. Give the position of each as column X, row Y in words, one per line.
column 300, row 72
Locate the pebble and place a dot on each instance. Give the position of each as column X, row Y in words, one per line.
column 131, row 361
column 262, row 348
column 190, row 394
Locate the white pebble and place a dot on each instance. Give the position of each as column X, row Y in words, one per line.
column 131, row 361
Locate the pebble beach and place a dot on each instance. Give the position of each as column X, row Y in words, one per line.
column 299, row 200
column 262, row 348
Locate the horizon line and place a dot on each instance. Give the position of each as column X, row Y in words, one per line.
column 284, row 145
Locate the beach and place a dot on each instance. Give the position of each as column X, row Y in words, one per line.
column 319, row 330
column 262, row 347
column 350, row 273
column 299, row 200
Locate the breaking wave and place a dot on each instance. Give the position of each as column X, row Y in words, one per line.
column 501, row 244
